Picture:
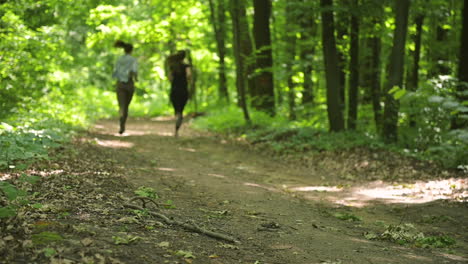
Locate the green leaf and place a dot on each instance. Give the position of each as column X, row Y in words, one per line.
column 6, row 212
column 394, row 89
column 49, row 252
column 10, row 190
column 185, row 254
column 37, row 205
column 29, row 178
column 398, row 94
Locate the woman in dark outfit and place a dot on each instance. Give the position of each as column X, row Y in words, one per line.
column 180, row 76
column 126, row 73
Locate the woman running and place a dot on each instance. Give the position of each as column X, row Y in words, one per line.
column 180, row 75
column 126, row 73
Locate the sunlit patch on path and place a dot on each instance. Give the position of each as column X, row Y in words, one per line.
column 415, row 193
column 114, row 143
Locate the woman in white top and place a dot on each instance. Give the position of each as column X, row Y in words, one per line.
column 126, row 73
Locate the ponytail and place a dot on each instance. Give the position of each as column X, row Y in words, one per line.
column 126, row 46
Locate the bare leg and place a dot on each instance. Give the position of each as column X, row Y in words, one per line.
column 178, row 123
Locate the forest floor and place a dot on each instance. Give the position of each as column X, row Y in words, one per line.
column 356, row 206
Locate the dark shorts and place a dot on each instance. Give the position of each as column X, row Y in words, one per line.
column 128, row 86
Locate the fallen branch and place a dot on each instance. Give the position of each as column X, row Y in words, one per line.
column 143, row 200
column 189, row 227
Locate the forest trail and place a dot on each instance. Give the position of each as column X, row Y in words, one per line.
column 281, row 212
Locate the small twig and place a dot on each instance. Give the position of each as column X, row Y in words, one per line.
column 186, row 226
column 144, row 199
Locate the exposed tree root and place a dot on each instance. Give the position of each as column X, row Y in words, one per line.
column 193, row 228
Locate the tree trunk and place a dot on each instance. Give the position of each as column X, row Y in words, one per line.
column 375, row 87
column 413, row 73
column 218, row 20
column 335, row 115
column 237, row 15
column 371, row 66
column 462, row 87
column 353, row 69
column 396, row 69
column 342, row 31
column 307, row 49
column 264, row 98
column 246, row 49
column 290, row 46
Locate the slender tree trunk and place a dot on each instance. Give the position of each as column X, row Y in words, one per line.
column 354, row 69
column 309, row 30
column 218, row 20
column 335, row 115
column 290, row 42
column 376, row 46
column 371, row 80
column 396, row 70
column 237, row 14
column 438, row 55
column 246, row 48
column 342, row 31
column 462, row 87
column 265, row 97
column 413, row 73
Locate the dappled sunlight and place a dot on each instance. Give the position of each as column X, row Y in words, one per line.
column 316, row 188
column 165, row 134
column 114, row 143
column 5, row 176
column 451, row 256
column 163, row 118
column 261, row 186
column 216, row 175
column 188, row 149
column 137, row 133
column 8, row 176
column 415, row 193
column 166, row 169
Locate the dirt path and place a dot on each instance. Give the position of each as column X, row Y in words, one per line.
column 281, row 212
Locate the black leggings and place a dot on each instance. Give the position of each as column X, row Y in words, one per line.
column 124, row 97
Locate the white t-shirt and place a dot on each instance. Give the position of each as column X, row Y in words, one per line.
column 124, row 65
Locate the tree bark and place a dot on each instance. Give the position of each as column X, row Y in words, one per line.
column 396, row 69
column 237, row 15
column 375, row 86
column 290, row 42
column 353, row 69
column 462, row 87
column 413, row 73
column 218, row 20
column 342, row 31
column 307, row 49
column 264, row 98
column 335, row 115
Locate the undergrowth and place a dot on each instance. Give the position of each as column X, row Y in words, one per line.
column 284, row 136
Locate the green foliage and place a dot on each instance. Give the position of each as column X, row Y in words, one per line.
column 435, row 242
column 281, row 135
column 407, row 234
column 228, row 120
column 149, row 192
column 432, row 108
column 402, row 234
column 26, row 144
column 125, row 240
column 15, row 197
column 45, row 238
